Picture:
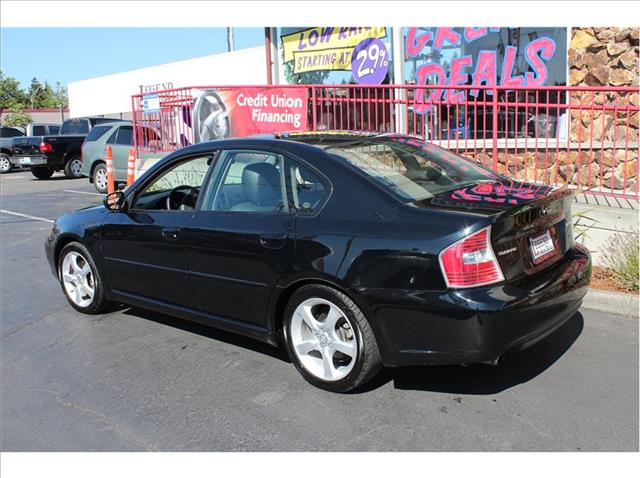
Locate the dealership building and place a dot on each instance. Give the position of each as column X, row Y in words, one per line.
column 416, row 55
column 548, row 104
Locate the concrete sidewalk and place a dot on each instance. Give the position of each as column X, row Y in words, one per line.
column 608, row 215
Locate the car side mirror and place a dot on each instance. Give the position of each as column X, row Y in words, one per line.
column 115, row 201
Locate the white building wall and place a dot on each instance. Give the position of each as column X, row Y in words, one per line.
column 111, row 94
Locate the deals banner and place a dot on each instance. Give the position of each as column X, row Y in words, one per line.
column 221, row 113
column 326, row 48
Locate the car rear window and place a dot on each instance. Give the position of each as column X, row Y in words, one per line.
column 96, row 133
column 409, row 168
column 75, row 126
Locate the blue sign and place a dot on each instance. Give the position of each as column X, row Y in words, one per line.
column 151, row 104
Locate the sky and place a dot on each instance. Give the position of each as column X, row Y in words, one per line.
column 71, row 54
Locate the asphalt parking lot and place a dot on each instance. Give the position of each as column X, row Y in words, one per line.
column 134, row 380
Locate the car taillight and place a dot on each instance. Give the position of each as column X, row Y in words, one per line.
column 471, row 262
column 46, row 147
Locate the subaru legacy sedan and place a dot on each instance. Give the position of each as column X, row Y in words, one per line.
column 353, row 251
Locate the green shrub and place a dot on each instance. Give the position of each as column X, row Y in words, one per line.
column 620, row 255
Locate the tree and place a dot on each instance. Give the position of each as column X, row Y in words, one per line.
column 17, row 119
column 11, row 95
column 40, row 95
column 60, row 95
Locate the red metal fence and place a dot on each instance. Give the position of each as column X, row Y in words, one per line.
column 584, row 137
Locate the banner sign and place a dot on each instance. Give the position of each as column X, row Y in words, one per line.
column 220, row 113
column 325, row 48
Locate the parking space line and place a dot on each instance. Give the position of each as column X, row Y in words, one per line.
column 82, row 192
column 19, row 214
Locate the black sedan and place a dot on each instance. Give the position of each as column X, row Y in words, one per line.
column 354, row 251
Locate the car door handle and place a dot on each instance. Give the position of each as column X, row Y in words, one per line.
column 171, row 234
column 272, row 241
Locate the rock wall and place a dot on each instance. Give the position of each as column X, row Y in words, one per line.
column 603, row 57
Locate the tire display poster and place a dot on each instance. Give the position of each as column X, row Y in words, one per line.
column 221, row 113
column 339, row 48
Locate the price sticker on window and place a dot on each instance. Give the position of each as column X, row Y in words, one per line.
column 370, row 62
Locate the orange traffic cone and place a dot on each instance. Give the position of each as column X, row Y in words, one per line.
column 111, row 185
column 131, row 166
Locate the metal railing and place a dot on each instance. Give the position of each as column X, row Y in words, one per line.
column 584, row 137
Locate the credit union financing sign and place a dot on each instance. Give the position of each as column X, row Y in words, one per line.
column 325, row 48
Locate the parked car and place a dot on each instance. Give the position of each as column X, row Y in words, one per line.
column 46, row 154
column 353, row 251
column 6, row 135
column 119, row 136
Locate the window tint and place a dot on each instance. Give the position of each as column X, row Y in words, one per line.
column 96, row 133
column 188, row 176
column 54, row 129
column 411, row 169
column 125, row 135
column 307, row 188
column 252, row 182
column 75, row 126
column 10, row 132
column 39, row 130
column 112, row 138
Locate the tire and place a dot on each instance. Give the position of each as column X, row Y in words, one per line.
column 84, row 272
column 100, row 178
column 73, row 167
column 42, row 172
column 350, row 332
column 5, row 164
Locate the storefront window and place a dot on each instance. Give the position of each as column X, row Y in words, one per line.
column 486, row 57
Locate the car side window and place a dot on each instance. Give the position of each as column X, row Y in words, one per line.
column 125, row 136
column 177, row 188
column 112, row 138
column 252, row 181
column 39, row 131
column 308, row 189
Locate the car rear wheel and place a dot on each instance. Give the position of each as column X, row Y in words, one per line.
column 80, row 279
column 42, row 172
column 100, row 178
column 329, row 339
column 5, row 164
column 73, row 168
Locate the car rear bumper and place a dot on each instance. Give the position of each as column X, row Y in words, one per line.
column 28, row 161
column 477, row 325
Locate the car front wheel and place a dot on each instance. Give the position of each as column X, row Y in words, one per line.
column 329, row 339
column 80, row 279
column 5, row 164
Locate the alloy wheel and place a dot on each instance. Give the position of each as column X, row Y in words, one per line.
column 76, row 167
column 78, row 279
column 323, row 339
column 101, row 179
column 5, row 164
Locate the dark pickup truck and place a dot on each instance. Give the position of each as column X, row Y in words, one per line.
column 46, row 154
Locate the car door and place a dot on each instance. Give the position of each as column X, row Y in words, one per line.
column 143, row 247
column 240, row 241
column 121, row 141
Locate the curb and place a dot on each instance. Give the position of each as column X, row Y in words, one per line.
column 612, row 302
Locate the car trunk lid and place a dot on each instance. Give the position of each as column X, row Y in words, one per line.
column 531, row 224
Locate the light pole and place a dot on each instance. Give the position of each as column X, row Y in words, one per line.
column 230, row 39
